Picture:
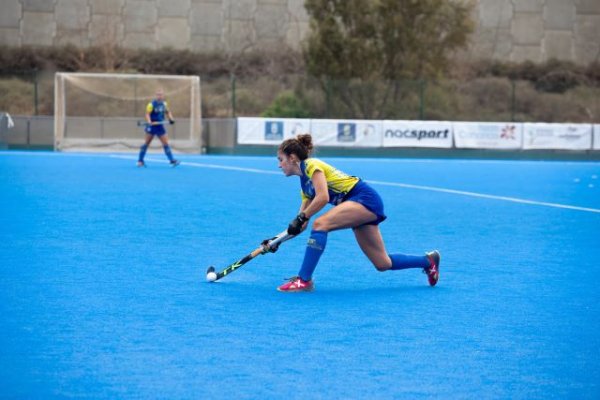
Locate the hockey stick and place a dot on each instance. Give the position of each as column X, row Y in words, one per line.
column 212, row 276
column 154, row 123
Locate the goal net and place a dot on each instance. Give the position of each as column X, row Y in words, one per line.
column 106, row 112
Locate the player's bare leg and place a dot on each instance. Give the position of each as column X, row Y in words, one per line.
column 345, row 215
column 371, row 243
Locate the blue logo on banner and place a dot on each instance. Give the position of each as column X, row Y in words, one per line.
column 274, row 130
column 346, row 132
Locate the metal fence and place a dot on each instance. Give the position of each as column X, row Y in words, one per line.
column 480, row 99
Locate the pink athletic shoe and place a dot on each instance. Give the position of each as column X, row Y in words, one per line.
column 297, row 284
column 433, row 272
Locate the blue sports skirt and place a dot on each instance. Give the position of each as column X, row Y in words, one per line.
column 157, row 130
column 364, row 194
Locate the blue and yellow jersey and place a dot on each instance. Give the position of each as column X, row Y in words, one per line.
column 338, row 183
column 157, row 110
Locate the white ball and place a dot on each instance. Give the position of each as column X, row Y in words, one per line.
column 211, row 277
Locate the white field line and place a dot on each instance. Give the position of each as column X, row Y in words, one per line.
column 486, row 196
column 402, row 185
column 204, row 165
column 226, row 167
column 268, row 172
column 353, row 160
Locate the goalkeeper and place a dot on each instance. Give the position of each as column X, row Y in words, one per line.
column 156, row 111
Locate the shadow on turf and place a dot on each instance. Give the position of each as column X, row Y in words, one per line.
column 325, row 290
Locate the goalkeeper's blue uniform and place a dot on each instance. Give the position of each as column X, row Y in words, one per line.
column 157, row 110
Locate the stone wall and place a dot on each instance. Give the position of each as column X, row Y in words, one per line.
column 202, row 25
column 511, row 30
column 537, row 30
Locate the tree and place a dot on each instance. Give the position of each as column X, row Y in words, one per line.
column 389, row 39
column 343, row 42
column 360, row 41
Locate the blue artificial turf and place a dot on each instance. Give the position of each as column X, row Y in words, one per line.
column 103, row 292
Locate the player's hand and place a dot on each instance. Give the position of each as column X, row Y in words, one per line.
column 171, row 121
column 297, row 224
column 267, row 247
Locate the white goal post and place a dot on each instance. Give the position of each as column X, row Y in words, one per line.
column 103, row 112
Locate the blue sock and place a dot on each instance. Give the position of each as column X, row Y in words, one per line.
column 314, row 249
column 167, row 150
column 404, row 261
column 142, row 152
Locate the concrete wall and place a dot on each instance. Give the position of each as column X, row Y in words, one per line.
column 38, row 132
column 511, row 30
column 537, row 30
column 202, row 25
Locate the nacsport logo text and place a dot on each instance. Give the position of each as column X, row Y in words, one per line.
column 417, row 134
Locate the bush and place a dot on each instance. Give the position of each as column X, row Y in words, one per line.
column 287, row 105
column 576, row 105
column 16, row 97
column 276, row 84
column 166, row 61
column 553, row 76
column 489, row 93
column 558, row 81
column 441, row 101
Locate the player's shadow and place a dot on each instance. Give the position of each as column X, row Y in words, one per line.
column 374, row 290
column 327, row 292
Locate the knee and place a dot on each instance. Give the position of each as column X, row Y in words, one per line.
column 382, row 265
column 321, row 224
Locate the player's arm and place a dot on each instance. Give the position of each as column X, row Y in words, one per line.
column 321, row 195
column 169, row 114
column 267, row 242
column 311, row 207
column 304, row 205
column 149, row 109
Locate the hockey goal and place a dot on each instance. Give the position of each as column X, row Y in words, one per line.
column 105, row 112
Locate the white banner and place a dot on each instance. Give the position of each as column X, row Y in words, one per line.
column 557, row 136
column 346, row 133
column 597, row 137
column 417, row 134
column 488, row 135
column 269, row 130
